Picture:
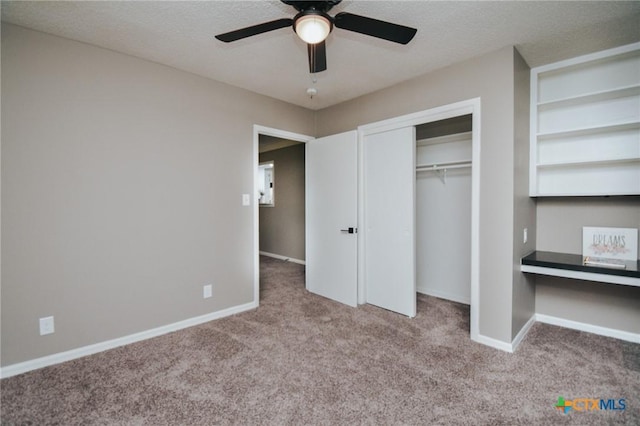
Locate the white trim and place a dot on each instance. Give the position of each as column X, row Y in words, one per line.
column 475, row 218
column 494, row 343
column 522, row 333
column 504, row 346
column 277, row 133
column 268, row 131
column 560, row 322
column 362, row 236
column 473, row 107
column 581, row 275
column 533, row 134
column 285, row 258
column 57, row 358
column 587, row 58
column 434, row 114
column 589, row 328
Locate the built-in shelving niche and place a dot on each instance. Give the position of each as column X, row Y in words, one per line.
column 585, row 125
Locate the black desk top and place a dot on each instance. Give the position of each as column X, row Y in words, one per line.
column 574, row 262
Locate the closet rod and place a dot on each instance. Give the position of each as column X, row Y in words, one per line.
column 443, row 166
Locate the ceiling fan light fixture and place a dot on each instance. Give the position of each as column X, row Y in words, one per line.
column 312, row 26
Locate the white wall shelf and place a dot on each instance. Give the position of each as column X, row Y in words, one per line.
column 590, row 130
column 604, row 161
column 585, row 125
column 619, row 92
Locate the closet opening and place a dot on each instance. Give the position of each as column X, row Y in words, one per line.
column 443, row 208
column 419, row 208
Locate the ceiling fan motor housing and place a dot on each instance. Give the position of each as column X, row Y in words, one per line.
column 321, row 6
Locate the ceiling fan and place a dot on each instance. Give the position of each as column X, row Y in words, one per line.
column 312, row 24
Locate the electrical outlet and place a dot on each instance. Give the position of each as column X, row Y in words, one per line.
column 207, row 291
column 46, row 326
column 524, row 236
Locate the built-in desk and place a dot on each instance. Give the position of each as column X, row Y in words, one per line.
column 572, row 266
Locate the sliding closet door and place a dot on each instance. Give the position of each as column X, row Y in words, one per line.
column 389, row 213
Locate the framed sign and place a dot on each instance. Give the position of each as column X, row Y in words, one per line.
column 610, row 243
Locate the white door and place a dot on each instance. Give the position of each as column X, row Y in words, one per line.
column 331, row 217
column 389, row 214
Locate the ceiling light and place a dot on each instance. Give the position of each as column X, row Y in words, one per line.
column 312, row 26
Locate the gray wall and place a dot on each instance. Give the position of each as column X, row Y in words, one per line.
column 121, row 192
column 282, row 227
column 490, row 77
column 560, row 222
column 524, row 207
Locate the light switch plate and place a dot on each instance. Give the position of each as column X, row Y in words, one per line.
column 246, row 200
column 207, row 291
column 46, row 326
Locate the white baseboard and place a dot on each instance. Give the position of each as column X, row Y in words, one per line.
column 286, row 258
column 494, row 343
column 522, row 333
column 23, row 367
column 504, row 346
column 561, row 322
column 589, row 328
column 34, row 364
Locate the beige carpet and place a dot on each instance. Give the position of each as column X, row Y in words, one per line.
column 302, row 359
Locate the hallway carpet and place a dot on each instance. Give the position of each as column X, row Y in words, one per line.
column 301, row 359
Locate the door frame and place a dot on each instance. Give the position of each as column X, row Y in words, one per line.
column 267, row 131
column 470, row 106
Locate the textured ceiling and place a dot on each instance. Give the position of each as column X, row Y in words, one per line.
column 180, row 34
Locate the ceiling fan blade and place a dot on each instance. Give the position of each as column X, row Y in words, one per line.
column 255, row 30
column 317, row 57
column 374, row 27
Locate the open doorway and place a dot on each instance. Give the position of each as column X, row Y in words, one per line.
column 330, row 219
column 281, row 198
column 278, row 151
